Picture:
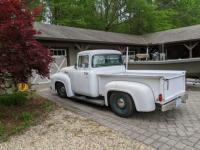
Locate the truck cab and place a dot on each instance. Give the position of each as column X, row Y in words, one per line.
column 89, row 65
column 100, row 77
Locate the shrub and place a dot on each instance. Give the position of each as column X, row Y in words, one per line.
column 14, row 99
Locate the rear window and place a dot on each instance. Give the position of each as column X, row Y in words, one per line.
column 102, row 60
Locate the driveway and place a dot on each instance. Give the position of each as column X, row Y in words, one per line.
column 176, row 129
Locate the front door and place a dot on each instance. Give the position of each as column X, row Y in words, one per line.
column 81, row 76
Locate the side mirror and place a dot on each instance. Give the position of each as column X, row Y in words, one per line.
column 75, row 66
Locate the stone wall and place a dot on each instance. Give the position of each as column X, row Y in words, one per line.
column 7, row 85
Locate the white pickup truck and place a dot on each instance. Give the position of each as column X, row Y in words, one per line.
column 100, row 77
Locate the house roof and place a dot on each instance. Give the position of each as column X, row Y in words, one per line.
column 174, row 35
column 64, row 33
column 72, row 34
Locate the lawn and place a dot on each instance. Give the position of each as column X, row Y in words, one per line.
column 19, row 112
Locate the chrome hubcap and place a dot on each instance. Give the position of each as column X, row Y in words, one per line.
column 62, row 90
column 121, row 103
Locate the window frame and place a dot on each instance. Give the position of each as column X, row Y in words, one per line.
column 88, row 61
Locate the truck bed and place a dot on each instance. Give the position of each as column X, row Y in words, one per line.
column 168, row 83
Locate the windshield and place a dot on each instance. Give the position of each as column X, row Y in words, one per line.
column 101, row 60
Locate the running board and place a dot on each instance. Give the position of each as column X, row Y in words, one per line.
column 90, row 100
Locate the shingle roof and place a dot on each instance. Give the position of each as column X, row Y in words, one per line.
column 174, row 35
column 64, row 33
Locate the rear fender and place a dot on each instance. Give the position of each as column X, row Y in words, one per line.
column 141, row 94
column 64, row 78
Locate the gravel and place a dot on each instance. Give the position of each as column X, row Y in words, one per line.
column 66, row 130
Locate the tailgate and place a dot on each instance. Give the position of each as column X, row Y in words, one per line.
column 174, row 87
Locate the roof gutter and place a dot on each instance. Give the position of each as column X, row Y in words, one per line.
column 86, row 41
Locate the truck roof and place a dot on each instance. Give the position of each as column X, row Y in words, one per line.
column 100, row 51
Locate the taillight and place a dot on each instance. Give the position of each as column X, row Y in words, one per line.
column 160, row 98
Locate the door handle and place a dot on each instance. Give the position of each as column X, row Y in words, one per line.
column 85, row 73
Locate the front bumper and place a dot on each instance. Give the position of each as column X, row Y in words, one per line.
column 174, row 103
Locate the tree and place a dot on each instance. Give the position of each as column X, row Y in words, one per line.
column 138, row 16
column 110, row 13
column 79, row 13
column 128, row 16
column 179, row 13
column 94, row 14
column 141, row 16
column 20, row 53
column 188, row 12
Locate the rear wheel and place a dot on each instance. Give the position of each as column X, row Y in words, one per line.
column 122, row 104
column 60, row 88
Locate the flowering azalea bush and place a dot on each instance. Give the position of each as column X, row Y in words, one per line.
column 20, row 53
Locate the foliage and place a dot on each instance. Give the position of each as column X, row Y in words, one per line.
column 140, row 16
column 78, row 12
column 188, row 12
column 20, row 53
column 110, row 13
column 15, row 99
column 129, row 16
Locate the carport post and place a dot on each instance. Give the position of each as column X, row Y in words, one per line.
column 147, row 52
column 163, row 48
column 190, row 48
column 127, row 49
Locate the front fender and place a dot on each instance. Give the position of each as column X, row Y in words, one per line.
column 65, row 79
column 141, row 94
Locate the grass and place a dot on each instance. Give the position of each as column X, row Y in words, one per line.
column 47, row 106
column 16, row 117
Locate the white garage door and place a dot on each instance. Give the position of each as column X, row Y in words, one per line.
column 60, row 61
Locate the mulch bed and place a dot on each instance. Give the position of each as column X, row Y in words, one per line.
column 12, row 122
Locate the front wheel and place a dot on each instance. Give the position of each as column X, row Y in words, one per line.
column 61, row 90
column 122, row 104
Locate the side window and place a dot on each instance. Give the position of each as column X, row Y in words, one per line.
column 58, row 52
column 83, row 61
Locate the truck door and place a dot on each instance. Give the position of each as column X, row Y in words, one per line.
column 81, row 76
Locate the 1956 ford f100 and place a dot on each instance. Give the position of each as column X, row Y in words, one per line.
column 100, row 77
